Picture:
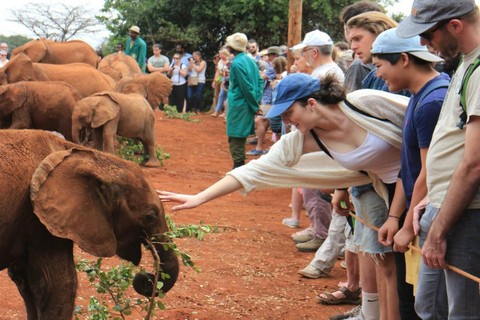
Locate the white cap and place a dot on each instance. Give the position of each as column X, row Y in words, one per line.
column 315, row 38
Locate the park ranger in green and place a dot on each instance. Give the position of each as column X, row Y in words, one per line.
column 244, row 94
column 136, row 47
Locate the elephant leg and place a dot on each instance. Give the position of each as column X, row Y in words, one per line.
column 18, row 273
column 48, row 281
column 53, row 279
column 98, row 138
column 150, row 150
column 109, row 133
column 21, row 119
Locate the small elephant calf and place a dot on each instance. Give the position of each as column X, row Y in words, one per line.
column 112, row 113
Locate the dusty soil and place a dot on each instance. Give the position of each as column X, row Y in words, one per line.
column 249, row 268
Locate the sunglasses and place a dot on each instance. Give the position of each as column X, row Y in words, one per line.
column 3, row 55
column 428, row 36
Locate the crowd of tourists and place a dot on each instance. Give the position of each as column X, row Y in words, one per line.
column 383, row 127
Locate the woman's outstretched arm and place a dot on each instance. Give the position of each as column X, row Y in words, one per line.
column 221, row 188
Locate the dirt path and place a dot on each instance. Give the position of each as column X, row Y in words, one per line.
column 249, row 269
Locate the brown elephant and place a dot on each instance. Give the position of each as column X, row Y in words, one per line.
column 38, row 105
column 118, row 66
column 53, row 52
column 154, row 87
column 83, row 77
column 112, row 113
column 55, row 194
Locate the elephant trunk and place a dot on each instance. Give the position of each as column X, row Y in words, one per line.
column 143, row 283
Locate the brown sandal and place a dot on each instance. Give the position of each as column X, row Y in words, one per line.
column 351, row 297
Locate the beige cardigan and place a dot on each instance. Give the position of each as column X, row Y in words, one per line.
column 286, row 166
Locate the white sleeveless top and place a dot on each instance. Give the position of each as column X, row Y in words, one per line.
column 373, row 155
column 201, row 75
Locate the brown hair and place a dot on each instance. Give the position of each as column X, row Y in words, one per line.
column 330, row 92
column 279, row 64
column 374, row 22
column 358, row 8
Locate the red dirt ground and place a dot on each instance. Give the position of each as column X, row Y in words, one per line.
column 249, row 268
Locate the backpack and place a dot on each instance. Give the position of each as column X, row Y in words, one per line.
column 463, row 90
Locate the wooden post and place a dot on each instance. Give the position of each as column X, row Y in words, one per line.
column 294, row 28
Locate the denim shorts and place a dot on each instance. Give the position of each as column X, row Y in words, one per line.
column 372, row 209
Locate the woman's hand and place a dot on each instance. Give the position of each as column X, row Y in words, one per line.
column 387, row 231
column 187, row 201
column 340, row 196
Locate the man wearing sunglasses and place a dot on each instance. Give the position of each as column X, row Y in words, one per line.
column 452, row 217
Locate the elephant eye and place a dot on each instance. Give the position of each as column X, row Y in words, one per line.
column 149, row 218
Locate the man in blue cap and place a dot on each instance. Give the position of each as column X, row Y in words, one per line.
column 453, row 162
column 406, row 64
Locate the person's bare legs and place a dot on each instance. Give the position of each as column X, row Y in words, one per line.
column 261, row 125
column 387, row 288
column 297, row 204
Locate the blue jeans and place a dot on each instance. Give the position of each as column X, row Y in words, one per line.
column 463, row 252
column 222, row 97
column 194, row 96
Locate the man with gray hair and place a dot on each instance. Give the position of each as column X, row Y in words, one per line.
column 317, row 50
column 4, row 47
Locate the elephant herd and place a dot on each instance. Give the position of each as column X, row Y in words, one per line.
column 54, row 192
column 54, row 85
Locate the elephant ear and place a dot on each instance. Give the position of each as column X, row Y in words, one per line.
column 158, row 86
column 71, row 197
column 12, row 97
column 107, row 108
column 19, row 68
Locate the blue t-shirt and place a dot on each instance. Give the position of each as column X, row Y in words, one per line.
column 417, row 134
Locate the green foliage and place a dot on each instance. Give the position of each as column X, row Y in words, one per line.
column 112, row 283
column 129, row 150
column 205, row 25
column 14, row 41
column 172, row 113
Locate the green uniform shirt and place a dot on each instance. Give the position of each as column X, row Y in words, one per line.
column 138, row 51
column 244, row 94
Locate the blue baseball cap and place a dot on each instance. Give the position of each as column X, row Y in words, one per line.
column 389, row 42
column 294, row 87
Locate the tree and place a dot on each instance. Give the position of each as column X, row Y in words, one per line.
column 14, row 41
column 56, row 21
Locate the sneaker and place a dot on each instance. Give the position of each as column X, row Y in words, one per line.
column 290, row 222
column 223, row 115
column 343, row 264
column 301, row 238
column 253, row 141
column 353, row 314
column 312, row 273
column 256, row 152
column 310, row 246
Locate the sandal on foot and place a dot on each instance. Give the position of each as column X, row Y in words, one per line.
column 351, row 297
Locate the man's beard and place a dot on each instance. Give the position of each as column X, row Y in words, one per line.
column 449, row 45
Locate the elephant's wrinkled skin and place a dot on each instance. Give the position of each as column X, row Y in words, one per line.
column 48, row 51
column 83, row 77
column 54, row 194
column 38, row 105
column 154, row 87
column 112, row 113
column 119, row 66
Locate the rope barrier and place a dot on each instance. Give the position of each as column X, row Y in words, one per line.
column 417, row 249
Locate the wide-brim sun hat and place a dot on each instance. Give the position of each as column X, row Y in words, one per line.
column 427, row 13
column 135, row 29
column 237, row 41
column 292, row 88
column 389, row 42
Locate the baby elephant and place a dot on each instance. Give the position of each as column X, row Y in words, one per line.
column 112, row 113
column 38, row 105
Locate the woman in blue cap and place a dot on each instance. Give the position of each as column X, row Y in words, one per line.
column 361, row 131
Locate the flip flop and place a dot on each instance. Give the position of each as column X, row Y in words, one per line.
column 351, row 297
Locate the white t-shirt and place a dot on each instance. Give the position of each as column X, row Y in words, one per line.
column 322, row 71
column 201, row 74
column 448, row 141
